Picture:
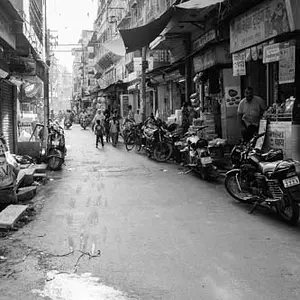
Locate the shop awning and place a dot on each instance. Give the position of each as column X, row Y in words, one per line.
column 184, row 19
column 198, row 4
column 136, row 38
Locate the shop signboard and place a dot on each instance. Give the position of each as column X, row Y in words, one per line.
column 204, row 39
column 6, row 30
column 214, row 55
column 232, row 96
column 263, row 22
column 23, row 66
column 271, row 53
column 287, row 63
column 239, row 63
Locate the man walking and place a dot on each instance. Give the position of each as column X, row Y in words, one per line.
column 250, row 112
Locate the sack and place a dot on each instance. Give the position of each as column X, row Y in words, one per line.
column 7, row 175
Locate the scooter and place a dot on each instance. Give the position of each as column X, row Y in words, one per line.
column 56, row 151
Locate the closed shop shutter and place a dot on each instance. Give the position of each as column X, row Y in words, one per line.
column 7, row 125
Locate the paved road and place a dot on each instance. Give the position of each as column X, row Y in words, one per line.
column 162, row 235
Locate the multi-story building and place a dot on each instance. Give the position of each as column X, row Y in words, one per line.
column 108, row 61
column 83, row 70
column 22, row 47
column 60, row 86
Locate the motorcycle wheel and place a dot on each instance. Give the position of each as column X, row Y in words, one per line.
column 232, row 187
column 162, row 151
column 129, row 142
column 204, row 174
column 55, row 163
column 138, row 143
column 288, row 210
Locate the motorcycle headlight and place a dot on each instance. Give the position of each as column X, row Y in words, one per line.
column 43, row 151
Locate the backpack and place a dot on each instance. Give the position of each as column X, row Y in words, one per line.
column 98, row 129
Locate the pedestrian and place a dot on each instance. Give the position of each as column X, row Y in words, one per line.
column 250, row 111
column 106, row 125
column 99, row 116
column 130, row 115
column 99, row 131
column 114, row 129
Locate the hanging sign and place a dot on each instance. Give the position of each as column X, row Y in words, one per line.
column 287, row 63
column 271, row 53
column 204, row 39
column 263, row 22
column 239, row 63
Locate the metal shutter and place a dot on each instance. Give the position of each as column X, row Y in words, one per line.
column 7, row 113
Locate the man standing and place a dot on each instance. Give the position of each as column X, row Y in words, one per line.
column 250, row 111
column 99, row 116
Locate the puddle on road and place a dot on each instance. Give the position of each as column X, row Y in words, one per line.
column 63, row 286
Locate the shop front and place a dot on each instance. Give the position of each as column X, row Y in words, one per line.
column 210, row 84
column 265, row 47
column 8, row 93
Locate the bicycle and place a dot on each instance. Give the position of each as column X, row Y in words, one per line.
column 134, row 139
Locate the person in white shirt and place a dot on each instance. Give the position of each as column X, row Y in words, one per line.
column 250, row 111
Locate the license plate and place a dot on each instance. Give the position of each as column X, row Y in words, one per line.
column 55, row 143
column 206, row 160
column 289, row 182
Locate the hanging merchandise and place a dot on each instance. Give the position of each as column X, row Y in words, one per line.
column 248, row 55
column 254, row 53
column 260, row 51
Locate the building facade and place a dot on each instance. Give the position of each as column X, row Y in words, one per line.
column 22, row 61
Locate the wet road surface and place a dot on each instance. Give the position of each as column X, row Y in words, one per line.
column 144, row 230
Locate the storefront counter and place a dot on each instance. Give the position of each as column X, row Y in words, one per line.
column 285, row 136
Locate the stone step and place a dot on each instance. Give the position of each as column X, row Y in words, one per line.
column 40, row 168
column 11, row 214
column 26, row 193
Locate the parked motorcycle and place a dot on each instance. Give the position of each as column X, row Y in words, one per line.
column 56, row 147
column 197, row 156
column 264, row 180
column 67, row 124
column 157, row 141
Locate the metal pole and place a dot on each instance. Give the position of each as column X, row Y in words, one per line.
column 46, row 81
column 143, row 83
column 83, row 77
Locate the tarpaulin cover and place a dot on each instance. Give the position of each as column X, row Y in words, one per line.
column 136, row 38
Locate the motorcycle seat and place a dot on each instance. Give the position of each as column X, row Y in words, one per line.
column 266, row 167
column 149, row 132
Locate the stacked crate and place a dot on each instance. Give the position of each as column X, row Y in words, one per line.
column 210, row 131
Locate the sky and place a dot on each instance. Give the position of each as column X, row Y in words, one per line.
column 66, row 19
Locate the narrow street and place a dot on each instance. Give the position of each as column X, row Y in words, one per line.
column 162, row 235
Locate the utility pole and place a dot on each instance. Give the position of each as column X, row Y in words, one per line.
column 46, row 80
column 143, row 83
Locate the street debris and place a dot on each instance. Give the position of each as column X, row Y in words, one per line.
column 64, row 286
column 82, row 254
column 11, row 214
column 3, row 259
